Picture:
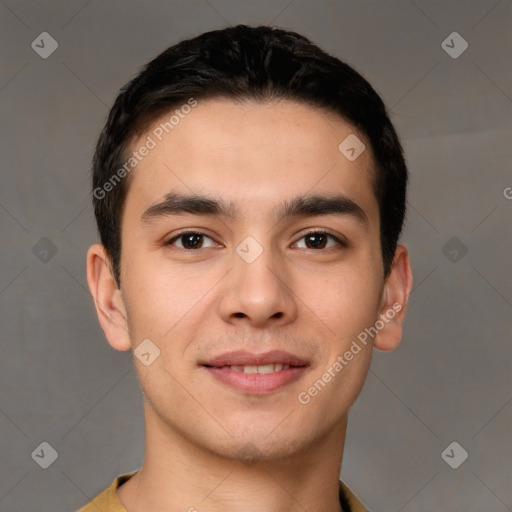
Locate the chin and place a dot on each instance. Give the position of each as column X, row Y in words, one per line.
column 251, row 447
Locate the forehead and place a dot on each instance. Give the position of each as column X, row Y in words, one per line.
column 254, row 154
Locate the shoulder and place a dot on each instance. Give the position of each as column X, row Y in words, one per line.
column 349, row 500
column 107, row 500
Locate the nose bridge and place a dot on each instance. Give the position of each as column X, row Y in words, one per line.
column 258, row 288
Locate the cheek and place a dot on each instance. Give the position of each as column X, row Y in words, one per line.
column 346, row 300
column 162, row 299
column 347, row 303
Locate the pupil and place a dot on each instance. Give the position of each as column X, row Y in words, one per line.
column 193, row 239
column 316, row 245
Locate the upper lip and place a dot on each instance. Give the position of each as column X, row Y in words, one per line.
column 245, row 358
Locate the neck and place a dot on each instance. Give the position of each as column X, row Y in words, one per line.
column 177, row 476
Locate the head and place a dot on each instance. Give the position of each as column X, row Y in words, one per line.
column 243, row 121
column 242, row 63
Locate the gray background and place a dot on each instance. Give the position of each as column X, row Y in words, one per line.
column 450, row 379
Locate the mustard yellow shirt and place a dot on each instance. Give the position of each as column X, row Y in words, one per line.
column 107, row 501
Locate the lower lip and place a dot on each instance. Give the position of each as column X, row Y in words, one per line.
column 257, row 383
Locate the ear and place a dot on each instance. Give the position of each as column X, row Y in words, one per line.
column 394, row 301
column 107, row 297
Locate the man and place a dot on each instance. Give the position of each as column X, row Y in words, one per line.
column 249, row 191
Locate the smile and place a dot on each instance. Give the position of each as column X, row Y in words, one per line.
column 264, row 368
column 254, row 374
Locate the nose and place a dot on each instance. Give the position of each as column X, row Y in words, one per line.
column 258, row 293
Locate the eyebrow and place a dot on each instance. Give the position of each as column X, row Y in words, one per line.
column 305, row 205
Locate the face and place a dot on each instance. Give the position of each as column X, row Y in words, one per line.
column 232, row 288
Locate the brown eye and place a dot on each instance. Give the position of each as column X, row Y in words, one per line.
column 190, row 240
column 319, row 240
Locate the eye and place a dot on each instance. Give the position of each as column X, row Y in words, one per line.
column 190, row 240
column 318, row 240
column 193, row 240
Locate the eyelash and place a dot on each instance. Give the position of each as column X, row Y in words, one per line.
column 337, row 239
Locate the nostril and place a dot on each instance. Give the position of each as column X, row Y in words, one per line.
column 242, row 315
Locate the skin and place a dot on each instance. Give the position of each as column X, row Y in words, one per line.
column 198, row 303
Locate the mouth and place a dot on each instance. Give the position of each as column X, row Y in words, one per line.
column 262, row 368
column 256, row 373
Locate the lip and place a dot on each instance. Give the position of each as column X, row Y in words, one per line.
column 245, row 358
column 256, row 383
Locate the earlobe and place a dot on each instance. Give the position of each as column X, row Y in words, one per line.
column 394, row 301
column 107, row 298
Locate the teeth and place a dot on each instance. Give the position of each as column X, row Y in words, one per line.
column 266, row 368
column 263, row 368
